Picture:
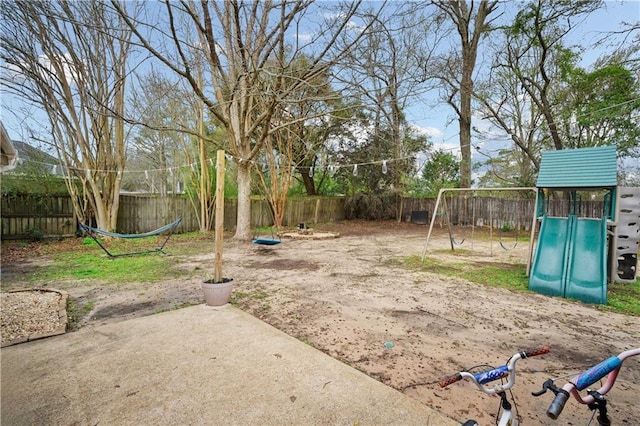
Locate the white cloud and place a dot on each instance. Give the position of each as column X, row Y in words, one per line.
column 304, row 37
column 351, row 25
column 432, row 132
column 70, row 76
column 452, row 147
column 333, row 16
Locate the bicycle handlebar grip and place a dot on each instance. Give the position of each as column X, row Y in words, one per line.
column 557, row 405
column 451, row 379
column 540, row 351
column 597, row 372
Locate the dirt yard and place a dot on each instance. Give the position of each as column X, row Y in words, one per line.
column 355, row 299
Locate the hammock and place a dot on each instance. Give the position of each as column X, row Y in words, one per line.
column 93, row 232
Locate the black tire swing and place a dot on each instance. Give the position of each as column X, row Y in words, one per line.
column 451, row 236
column 501, row 232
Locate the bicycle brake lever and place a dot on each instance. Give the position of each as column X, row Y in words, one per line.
column 547, row 385
column 540, row 392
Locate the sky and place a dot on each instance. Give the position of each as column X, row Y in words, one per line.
column 436, row 120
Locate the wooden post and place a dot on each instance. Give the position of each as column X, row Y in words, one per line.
column 219, row 223
column 315, row 214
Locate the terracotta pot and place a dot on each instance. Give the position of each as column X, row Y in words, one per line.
column 217, row 294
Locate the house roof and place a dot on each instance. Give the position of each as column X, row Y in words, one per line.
column 8, row 153
column 578, row 168
column 31, row 154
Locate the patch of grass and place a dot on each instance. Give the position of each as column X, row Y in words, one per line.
column 76, row 311
column 265, row 231
column 240, row 298
column 96, row 266
column 237, row 296
column 622, row 298
column 257, row 294
column 512, row 277
column 87, row 241
column 260, row 294
column 434, row 266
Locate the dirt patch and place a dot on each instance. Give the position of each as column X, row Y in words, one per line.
column 351, row 295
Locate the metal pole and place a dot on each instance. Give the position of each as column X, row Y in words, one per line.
column 433, row 218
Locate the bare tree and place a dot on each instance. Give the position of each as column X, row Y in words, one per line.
column 384, row 71
column 535, row 53
column 313, row 113
column 70, row 60
column 471, row 21
column 303, row 123
column 276, row 173
column 510, row 112
column 159, row 103
column 249, row 48
column 174, row 128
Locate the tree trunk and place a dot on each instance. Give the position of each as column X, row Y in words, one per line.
column 309, row 184
column 243, row 224
column 465, row 129
column 461, row 13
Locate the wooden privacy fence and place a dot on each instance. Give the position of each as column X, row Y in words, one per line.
column 29, row 216
column 36, row 216
column 144, row 213
column 512, row 213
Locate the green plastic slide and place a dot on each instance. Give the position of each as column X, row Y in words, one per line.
column 571, row 259
column 587, row 267
column 547, row 273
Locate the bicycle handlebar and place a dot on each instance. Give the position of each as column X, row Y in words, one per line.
column 609, row 367
column 495, row 373
column 597, row 372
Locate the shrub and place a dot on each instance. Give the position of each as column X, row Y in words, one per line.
column 370, row 206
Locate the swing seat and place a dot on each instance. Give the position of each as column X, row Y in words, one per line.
column 266, row 241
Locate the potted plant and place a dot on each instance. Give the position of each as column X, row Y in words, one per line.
column 217, row 290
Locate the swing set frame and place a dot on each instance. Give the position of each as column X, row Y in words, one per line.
column 443, row 191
